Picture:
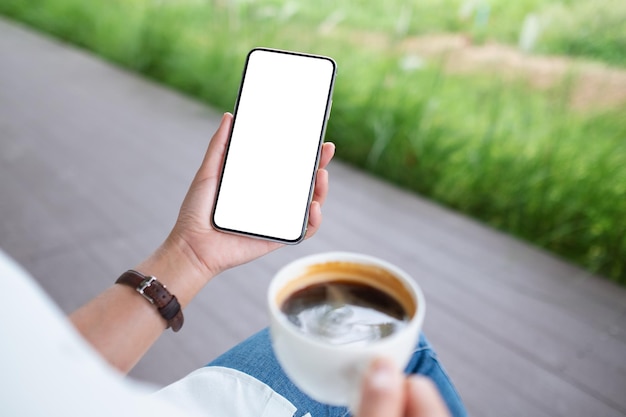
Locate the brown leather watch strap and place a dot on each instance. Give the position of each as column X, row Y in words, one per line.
column 156, row 293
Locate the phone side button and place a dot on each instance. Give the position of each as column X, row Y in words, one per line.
column 330, row 108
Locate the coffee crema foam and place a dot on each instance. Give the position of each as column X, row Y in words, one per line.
column 344, row 303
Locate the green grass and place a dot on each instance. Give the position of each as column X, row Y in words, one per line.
column 592, row 29
column 518, row 159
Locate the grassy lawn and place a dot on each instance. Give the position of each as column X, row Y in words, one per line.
column 519, row 158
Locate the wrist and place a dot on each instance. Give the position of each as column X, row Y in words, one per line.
column 176, row 266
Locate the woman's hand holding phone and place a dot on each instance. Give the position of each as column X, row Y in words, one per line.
column 209, row 250
column 254, row 190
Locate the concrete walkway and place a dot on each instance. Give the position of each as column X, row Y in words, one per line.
column 94, row 162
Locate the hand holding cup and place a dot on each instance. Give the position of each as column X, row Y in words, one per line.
column 333, row 313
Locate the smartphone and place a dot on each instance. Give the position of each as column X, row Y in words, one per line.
column 269, row 170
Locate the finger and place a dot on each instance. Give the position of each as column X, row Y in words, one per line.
column 321, row 186
column 315, row 219
column 328, row 151
column 214, row 156
column 424, row 399
column 382, row 394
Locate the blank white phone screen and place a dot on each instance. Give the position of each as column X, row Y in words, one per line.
column 272, row 155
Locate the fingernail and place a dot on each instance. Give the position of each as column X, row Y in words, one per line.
column 381, row 374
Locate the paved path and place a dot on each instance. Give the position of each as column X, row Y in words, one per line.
column 94, row 162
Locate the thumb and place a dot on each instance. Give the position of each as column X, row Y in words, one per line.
column 382, row 393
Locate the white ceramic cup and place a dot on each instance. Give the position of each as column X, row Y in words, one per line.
column 332, row 374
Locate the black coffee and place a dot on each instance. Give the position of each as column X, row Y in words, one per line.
column 345, row 312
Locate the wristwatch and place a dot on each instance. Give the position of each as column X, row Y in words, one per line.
column 157, row 294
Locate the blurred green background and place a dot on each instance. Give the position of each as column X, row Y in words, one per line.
column 511, row 112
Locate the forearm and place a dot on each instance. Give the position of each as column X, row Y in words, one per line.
column 121, row 324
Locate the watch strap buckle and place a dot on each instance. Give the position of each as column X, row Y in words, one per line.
column 145, row 284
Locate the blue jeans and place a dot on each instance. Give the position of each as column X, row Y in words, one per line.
column 255, row 357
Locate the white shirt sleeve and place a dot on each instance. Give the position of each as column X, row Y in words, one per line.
column 48, row 369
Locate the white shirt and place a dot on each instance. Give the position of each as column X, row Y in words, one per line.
column 47, row 369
